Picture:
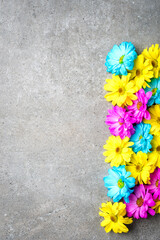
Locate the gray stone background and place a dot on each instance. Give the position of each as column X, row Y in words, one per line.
column 53, row 111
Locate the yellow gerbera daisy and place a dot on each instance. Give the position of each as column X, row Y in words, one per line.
column 153, row 54
column 152, row 160
column 142, row 72
column 121, row 90
column 157, row 206
column 155, row 154
column 154, row 111
column 140, row 167
column 114, row 217
column 118, row 151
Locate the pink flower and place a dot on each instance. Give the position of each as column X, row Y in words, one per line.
column 120, row 122
column 154, row 187
column 138, row 109
column 140, row 203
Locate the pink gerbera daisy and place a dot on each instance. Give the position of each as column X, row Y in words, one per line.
column 140, row 203
column 154, row 187
column 120, row 122
column 138, row 109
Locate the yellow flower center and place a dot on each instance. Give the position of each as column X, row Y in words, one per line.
column 121, row 59
column 117, row 149
column 139, row 202
column 139, row 104
column 120, row 183
column 154, row 63
column 158, row 119
column 154, row 90
column 121, row 90
column 157, row 182
column 114, row 218
column 140, row 137
column 138, row 72
column 139, row 168
column 158, row 148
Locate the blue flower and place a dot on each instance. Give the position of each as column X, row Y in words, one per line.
column 142, row 138
column 155, row 88
column 119, row 183
column 121, row 58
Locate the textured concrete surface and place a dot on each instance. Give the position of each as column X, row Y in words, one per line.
column 52, row 73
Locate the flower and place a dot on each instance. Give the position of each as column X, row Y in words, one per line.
column 142, row 138
column 118, row 150
column 140, row 203
column 155, row 151
column 142, row 72
column 114, row 217
column 154, row 111
column 120, row 122
column 154, row 86
column 153, row 54
column 152, row 161
column 157, row 206
column 119, row 183
column 121, row 90
column 138, row 109
column 154, row 187
column 140, row 167
column 121, row 58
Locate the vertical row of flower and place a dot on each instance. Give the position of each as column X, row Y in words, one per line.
column 133, row 150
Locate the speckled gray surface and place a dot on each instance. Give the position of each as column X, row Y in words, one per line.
column 52, row 113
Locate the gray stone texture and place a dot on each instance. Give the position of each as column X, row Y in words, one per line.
column 52, row 72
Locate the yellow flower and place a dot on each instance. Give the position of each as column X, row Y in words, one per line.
column 121, row 90
column 114, row 217
column 153, row 54
column 155, row 154
column 154, row 111
column 140, row 167
column 152, row 160
column 142, row 72
column 157, row 206
column 118, row 151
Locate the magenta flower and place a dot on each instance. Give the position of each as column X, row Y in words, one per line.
column 140, row 203
column 154, row 187
column 120, row 122
column 138, row 109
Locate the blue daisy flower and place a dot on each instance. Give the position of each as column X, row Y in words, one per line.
column 155, row 88
column 119, row 183
column 121, row 58
column 142, row 138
